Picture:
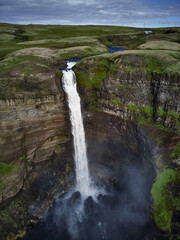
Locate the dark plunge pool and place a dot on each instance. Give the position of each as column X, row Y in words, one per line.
column 120, row 163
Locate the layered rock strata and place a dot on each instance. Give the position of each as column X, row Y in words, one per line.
column 32, row 123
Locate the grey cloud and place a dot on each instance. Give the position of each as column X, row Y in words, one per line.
column 115, row 12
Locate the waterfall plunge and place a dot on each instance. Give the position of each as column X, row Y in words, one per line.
column 80, row 155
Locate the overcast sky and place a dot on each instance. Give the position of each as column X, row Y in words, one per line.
column 137, row 13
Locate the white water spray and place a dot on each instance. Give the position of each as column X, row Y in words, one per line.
column 80, row 154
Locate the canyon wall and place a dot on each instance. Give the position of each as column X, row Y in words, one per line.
column 147, row 97
column 33, row 124
column 121, row 86
column 116, row 91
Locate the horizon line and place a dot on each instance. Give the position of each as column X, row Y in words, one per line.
column 95, row 25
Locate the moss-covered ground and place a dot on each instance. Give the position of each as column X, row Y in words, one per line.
column 145, row 116
column 103, row 69
column 164, row 199
column 14, row 216
column 17, row 37
column 5, row 169
column 50, row 44
column 147, row 61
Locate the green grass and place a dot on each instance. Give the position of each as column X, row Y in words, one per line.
column 125, row 86
column 5, row 51
column 25, row 68
column 144, row 115
column 137, row 43
column 174, row 117
column 80, row 51
column 176, row 56
column 154, row 65
column 61, row 37
column 103, row 68
column 95, row 38
column 149, row 61
column 22, row 158
column 159, row 163
column 92, row 43
column 22, row 63
column 162, row 113
column 116, row 101
column 2, row 187
column 163, row 63
column 163, row 199
column 160, row 138
column 14, row 214
column 95, row 108
column 131, row 39
column 59, row 32
column 159, row 61
column 14, row 53
column 6, row 169
column 161, row 45
column 176, row 151
column 141, row 109
column 13, row 62
column 16, row 37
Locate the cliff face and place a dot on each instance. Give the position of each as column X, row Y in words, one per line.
column 146, row 94
column 154, row 91
column 33, row 124
column 131, row 92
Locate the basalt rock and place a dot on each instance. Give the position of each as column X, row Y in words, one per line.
column 33, row 124
column 123, row 103
column 116, row 84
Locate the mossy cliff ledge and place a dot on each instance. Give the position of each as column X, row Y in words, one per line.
column 33, row 126
column 142, row 87
column 134, row 85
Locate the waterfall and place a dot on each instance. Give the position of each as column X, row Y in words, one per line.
column 83, row 181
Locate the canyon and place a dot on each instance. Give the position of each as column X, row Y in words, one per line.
column 130, row 103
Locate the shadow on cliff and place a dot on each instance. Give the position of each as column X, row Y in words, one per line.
column 123, row 213
column 120, row 158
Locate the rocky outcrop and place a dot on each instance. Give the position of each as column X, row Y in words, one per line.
column 123, row 87
column 33, row 124
column 128, row 89
column 156, row 91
